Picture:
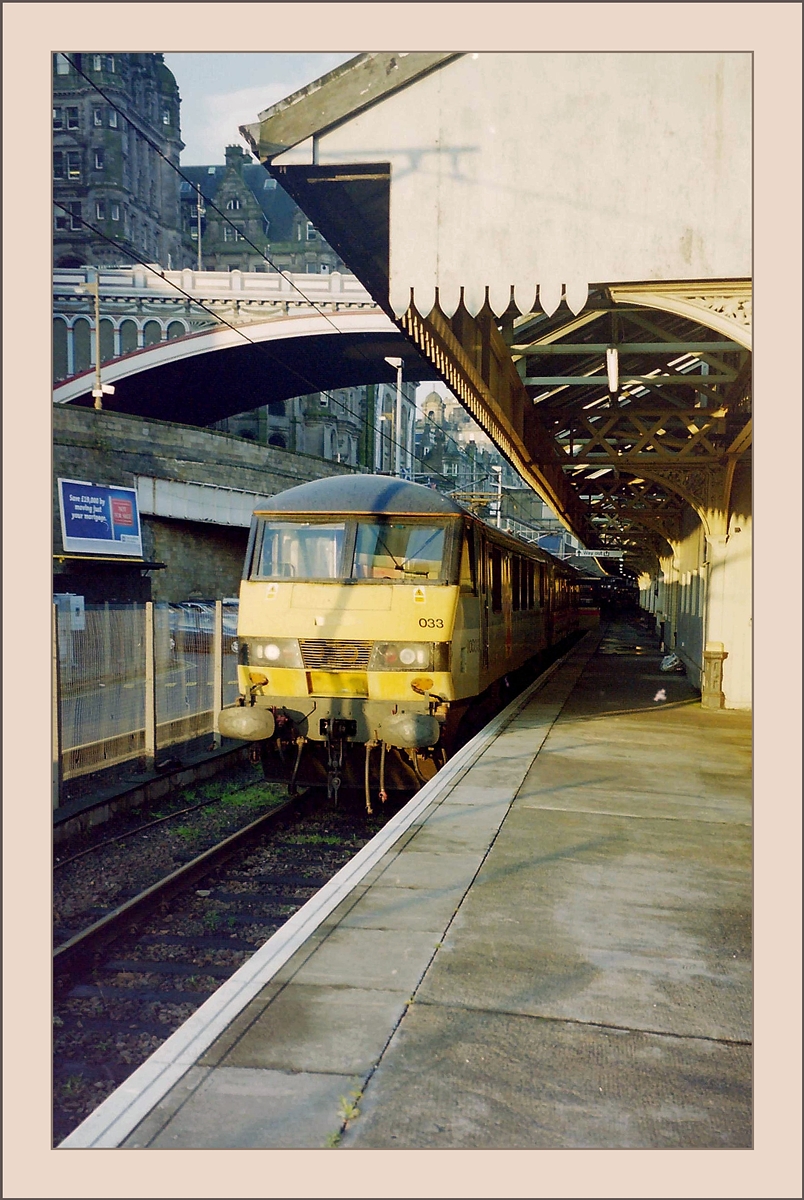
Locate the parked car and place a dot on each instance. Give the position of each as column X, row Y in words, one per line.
column 192, row 624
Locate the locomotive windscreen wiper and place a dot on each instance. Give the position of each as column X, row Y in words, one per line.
column 400, row 566
column 421, row 548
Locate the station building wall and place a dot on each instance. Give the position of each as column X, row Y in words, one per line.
column 202, row 560
column 701, row 594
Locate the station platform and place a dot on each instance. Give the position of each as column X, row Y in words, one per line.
column 548, row 947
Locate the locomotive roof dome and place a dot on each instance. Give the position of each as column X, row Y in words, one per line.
column 362, row 494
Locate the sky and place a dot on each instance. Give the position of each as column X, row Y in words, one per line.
column 220, row 92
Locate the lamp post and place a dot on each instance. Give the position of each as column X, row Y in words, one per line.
column 397, row 362
column 498, row 472
column 199, row 212
column 100, row 389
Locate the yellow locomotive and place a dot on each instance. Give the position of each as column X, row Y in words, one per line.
column 375, row 614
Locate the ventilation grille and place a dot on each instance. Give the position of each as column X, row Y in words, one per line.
column 326, row 654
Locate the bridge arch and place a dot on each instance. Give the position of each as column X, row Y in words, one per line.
column 199, row 378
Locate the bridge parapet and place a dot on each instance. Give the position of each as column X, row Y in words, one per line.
column 140, row 282
column 142, row 306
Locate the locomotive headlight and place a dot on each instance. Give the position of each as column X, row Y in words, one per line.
column 280, row 652
column 401, row 656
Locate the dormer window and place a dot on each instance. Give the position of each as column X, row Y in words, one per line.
column 62, row 65
column 311, row 233
column 234, row 203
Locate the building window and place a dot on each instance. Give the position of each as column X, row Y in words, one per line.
column 97, row 62
column 312, row 268
column 72, row 118
column 234, row 203
column 228, row 233
column 61, row 220
column 58, row 164
column 97, row 116
column 115, row 210
column 269, row 185
column 112, row 119
column 99, row 163
column 75, row 214
column 73, row 164
column 165, row 116
column 110, row 64
column 58, row 118
column 100, row 210
column 311, row 233
column 62, row 65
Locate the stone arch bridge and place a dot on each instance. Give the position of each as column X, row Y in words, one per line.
column 195, row 347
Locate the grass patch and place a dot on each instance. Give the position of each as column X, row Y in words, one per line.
column 315, row 839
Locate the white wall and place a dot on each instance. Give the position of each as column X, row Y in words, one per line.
column 556, row 169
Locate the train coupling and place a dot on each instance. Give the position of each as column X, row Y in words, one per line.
column 337, row 728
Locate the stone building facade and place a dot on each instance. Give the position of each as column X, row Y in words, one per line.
column 248, row 222
column 109, row 112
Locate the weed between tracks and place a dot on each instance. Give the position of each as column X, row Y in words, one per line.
column 150, row 983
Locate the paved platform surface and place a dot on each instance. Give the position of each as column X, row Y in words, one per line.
column 556, row 954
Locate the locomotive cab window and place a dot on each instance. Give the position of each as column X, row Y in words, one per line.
column 297, row 550
column 398, row 550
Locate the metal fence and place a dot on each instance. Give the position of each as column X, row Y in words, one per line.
column 132, row 679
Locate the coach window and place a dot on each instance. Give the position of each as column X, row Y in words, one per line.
column 515, row 576
column 468, row 564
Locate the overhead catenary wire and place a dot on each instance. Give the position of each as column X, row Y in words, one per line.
column 394, row 442
column 259, row 346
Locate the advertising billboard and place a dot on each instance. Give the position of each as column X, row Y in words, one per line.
column 99, row 520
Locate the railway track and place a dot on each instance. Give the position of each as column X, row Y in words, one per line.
column 129, row 978
column 126, row 981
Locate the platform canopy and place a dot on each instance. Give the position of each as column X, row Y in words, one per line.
column 542, row 172
column 566, row 237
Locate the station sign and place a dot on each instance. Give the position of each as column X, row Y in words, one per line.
column 599, row 553
column 99, row 520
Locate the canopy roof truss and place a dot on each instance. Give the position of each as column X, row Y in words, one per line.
column 620, row 402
